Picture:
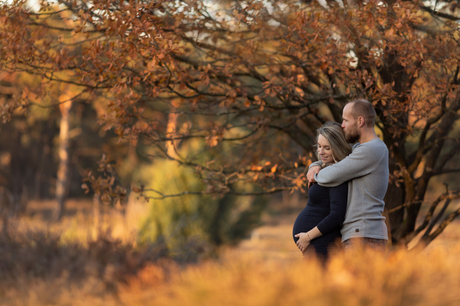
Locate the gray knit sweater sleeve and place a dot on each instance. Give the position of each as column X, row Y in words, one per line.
column 364, row 160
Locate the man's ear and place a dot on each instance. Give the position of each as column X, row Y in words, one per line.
column 361, row 121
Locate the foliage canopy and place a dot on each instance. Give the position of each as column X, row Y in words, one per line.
column 252, row 80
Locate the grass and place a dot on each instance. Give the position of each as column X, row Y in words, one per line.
column 65, row 264
column 358, row 278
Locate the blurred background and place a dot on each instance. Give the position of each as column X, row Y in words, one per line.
column 148, row 146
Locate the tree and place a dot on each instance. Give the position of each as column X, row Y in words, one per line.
column 38, row 159
column 254, row 79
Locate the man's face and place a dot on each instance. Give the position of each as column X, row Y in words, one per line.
column 350, row 124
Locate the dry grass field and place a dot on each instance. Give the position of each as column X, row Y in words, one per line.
column 68, row 263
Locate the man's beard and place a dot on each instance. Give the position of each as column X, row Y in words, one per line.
column 352, row 137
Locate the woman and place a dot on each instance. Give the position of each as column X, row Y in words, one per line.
column 318, row 225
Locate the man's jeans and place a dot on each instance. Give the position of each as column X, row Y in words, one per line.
column 376, row 244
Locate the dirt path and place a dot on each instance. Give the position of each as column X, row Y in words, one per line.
column 273, row 240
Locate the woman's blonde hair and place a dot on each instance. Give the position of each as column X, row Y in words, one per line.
column 333, row 132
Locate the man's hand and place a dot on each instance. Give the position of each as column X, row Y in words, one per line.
column 303, row 242
column 311, row 175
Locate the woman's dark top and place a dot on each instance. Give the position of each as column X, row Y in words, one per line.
column 326, row 209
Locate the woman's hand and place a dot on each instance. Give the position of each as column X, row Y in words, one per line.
column 303, row 242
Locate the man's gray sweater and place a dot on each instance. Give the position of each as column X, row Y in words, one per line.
column 367, row 170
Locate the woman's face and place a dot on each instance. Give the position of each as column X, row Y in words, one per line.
column 324, row 150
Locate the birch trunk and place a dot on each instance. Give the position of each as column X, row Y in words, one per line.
column 63, row 170
column 171, row 133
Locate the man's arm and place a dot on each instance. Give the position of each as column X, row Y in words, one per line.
column 312, row 170
column 360, row 162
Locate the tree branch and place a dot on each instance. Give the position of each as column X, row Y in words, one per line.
column 162, row 196
column 439, row 14
column 446, row 196
column 443, row 225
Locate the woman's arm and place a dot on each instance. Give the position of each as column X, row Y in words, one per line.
column 338, row 206
column 306, row 238
column 338, row 197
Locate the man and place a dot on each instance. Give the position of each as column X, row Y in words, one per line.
column 366, row 169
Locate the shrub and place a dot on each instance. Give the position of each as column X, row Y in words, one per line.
column 194, row 223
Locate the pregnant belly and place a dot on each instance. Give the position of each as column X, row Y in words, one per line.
column 307, row 219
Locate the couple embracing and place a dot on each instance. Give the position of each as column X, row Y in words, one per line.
column 346, row 186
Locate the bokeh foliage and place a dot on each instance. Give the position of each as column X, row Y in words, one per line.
column 191, row 221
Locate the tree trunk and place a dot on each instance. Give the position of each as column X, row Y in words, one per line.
column 96, row 216
column 171, row 133
column 394, row 200
column 63, row 170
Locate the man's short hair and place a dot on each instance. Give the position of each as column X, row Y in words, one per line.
column 364, row 108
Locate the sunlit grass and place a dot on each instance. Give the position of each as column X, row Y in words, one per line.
column 361, row 277
column 356, row 278
column 63, row 264
column 120, row 223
